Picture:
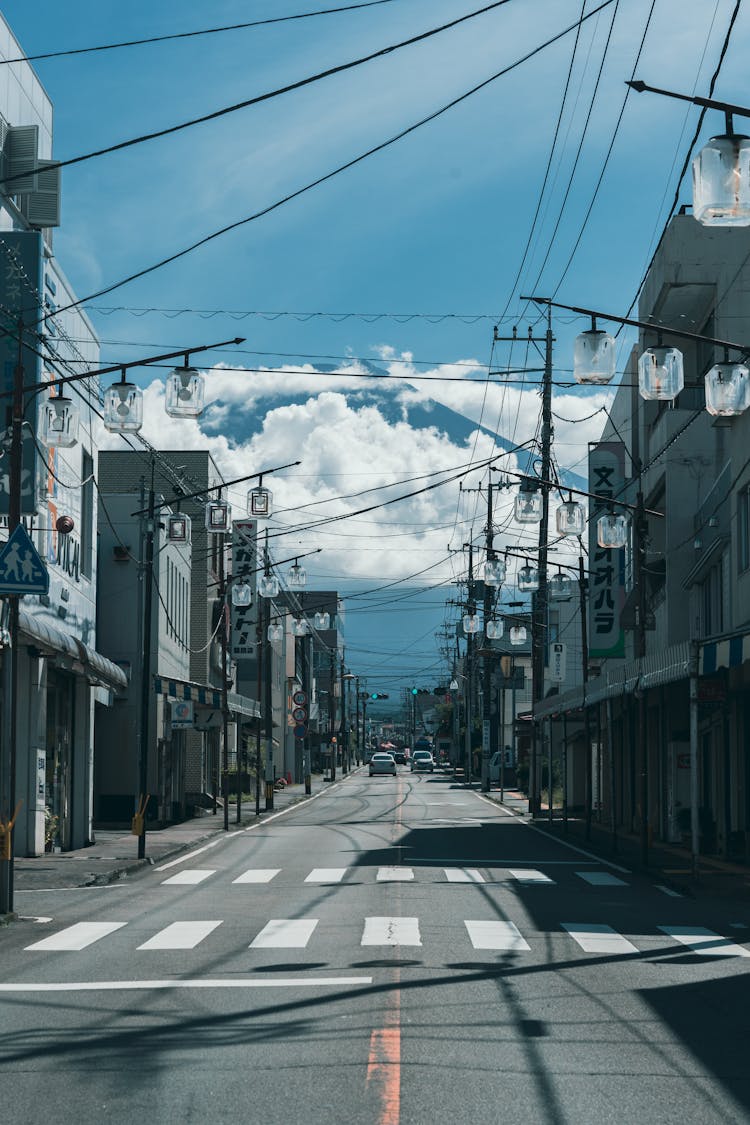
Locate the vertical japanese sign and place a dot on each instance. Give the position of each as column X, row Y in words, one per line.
column 606, row 566
column 244, row 570
column 21, row 282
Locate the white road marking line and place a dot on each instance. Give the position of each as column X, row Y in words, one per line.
column 463, row 875
column 285, row 933
column 326, row 875
column 705, row 942
column 496, row 935
column 600, row 879
column 595, row 938
column 77, row 937
column 205, row 982
column 668, row 891
column 530, row 875
column 193, row 854
column 180, row 935
column 564, row 843
column 391, row 931
column 257, row 875
column 191, row 877
column 394, row 874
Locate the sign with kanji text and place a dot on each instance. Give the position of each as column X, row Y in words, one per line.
column 244, row 618
column 557, row 660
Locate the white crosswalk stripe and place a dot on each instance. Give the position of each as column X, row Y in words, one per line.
column 257, row 875
column 391, row 931
column 326, row 875
column 600, row 879
column 463, row 875
column 285, row 933
column 180, row 935
column 530, row 876
column 191, row 877
column 705, row 942
column 496, row 935
column 394, row 874
column 596, row 938
column 76, row 937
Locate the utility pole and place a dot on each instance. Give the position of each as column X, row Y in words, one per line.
column 268, row 698
column 468, row 682
column 585, row 678
column 487, row 658
column 224, row 691
column 147, row 577
column 539, row 599
column 332, row 714
column 356, row 722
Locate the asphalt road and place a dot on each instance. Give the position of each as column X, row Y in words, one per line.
column 393, row 951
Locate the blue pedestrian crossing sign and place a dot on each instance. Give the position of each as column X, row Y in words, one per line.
column 21, row 568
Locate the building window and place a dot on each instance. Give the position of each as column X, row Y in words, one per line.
column 743, row 530
column 87, row 515
column 712, row 591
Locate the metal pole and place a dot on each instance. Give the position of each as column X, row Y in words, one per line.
column 268, row 702
column 694, row 841
column 344, row 726
column 332, row 745
column 565, row 772
column 550, row 801
column 502, row 737
column 260, row 634
column 11, row 654
column 471, row 609
column 224, row 691
column 487, row 657
column 611, row 749
column 585, row 677
column 148, row 591
column 640, row 584
column 356, row 723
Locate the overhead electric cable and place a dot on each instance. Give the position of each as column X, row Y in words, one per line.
column 328, row 176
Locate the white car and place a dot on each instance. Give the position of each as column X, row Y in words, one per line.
column 382, row 763
column 422, row 760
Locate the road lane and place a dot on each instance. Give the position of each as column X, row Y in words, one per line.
column 484, row 960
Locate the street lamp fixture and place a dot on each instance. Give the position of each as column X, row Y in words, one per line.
column 661, row 374
column 218, row 516
column 260, row 501
column 275, row 632
column 527, row 507
column 185, row 392
column 494, row 630
column 296, row 577
column 123, row 407
column 300, row 628
column 322, row 620
column 472, row 624
column 517, row 634
column 494, row 572
column 59, row 422
column 560, row 587
column 721, row 170
column 570, row 517
column 268, row 586
column 178, row 528
column 594, row 356
column 242, row 593
column 527, row 579
column 612, row 531
column 727, row 389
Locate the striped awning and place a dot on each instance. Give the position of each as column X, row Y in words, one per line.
column 204, row 696
column 728, row 653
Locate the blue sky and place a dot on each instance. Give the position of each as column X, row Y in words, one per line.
column 436, row 224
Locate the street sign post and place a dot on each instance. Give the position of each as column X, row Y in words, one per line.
column 21, row 568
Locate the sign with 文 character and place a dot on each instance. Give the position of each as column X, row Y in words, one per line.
column 244, row 618
column 606, row 565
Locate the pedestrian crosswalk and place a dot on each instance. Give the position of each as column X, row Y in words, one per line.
column 398, row 873
column 498, row 935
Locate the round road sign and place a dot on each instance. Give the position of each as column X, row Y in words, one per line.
column 299, row 698
column 300, row 731
column 299, row 714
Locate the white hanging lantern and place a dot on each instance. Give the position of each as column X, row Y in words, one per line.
column 268, row 586
column 494, row 572
column 661, row 374
column 594, row 357
column 727, row 389
column 517, row 634
column 527, row 579
column 300, row 628
column 218, row 516
column 612, row 531
column 123, row 408
column 494, row 630
column 560, row 587
column 184, row 393
column 721, row 182
column 242, row 592
column 322, row 620
column 527, row 507
column 59, row 422
column 570, row 518
column 178, row 528
column 260, row 502
column 275, row 632
column 471, row 623
column 296, row 577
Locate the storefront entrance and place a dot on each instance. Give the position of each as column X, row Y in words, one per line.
column 59, row 759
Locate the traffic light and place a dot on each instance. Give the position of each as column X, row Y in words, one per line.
column 415, row 691
column 378, row 695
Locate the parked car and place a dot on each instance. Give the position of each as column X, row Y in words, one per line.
column 422, row 760
column 382, row 763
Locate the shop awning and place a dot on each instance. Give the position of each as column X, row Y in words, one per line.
column 204, row 696
column 728, row 653
column 84, row 659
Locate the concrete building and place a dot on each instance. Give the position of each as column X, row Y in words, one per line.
column 62, row 678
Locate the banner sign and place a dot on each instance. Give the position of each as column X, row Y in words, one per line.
column 606, row 566
column 21, row 285
column 244, row 618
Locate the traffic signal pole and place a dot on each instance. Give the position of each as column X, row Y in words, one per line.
column 487, row 656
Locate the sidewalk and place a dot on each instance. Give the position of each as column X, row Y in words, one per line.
column 668, row 864
column 114, row 855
